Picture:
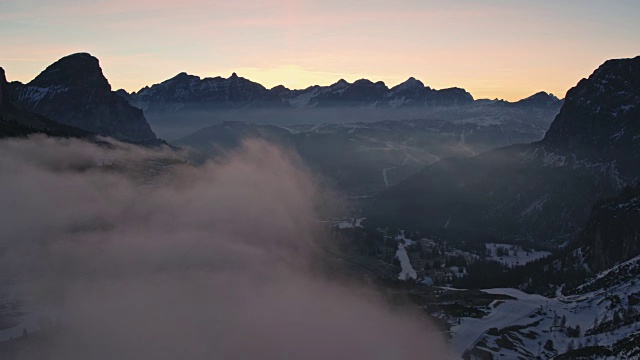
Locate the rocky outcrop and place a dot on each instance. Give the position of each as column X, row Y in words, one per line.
column 15, row 121
column 74, row 91
column 612, row 234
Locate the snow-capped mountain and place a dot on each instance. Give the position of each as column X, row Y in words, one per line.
column 73, row 91
column 541, row 191
column 188, row 92
column 186, row 103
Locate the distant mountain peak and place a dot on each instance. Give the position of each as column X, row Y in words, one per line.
column 363, row 82
column 193, row 93
column 410, row 83
column 279, row 88
column 539, row 99
column 80, row 69
column 542, row 95
column 183, row 76
column 341, row 82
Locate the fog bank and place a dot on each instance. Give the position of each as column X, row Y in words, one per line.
column 149, row 257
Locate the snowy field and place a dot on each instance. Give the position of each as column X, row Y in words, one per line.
column 532, row 321
column 405, row 263
column 407, row 270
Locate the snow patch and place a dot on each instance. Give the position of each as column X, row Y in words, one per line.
column 407, row 270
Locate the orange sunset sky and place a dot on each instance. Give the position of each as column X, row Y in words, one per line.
column 493, row 49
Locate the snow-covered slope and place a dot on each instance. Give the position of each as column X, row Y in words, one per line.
column 602, row 320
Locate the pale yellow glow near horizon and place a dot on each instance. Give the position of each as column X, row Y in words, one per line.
column 509, row 85
column 493, row 49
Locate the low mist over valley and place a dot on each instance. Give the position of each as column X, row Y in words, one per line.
column 219, row 260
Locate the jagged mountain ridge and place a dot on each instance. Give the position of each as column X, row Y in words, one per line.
column 191, row 92
column 541, row 191
column 15, row 121
column 185, row 91
column 73, row 91
column 185, row 103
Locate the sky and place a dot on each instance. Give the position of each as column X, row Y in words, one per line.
column 493, row 49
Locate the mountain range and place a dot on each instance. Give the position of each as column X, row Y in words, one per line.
column 73, row 91
column 430, row 124
column 185, row 103
column 188, row 92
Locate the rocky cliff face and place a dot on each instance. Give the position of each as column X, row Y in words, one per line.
column 612, row 234
column 601, row 110
column 73, row 91
column 15, row 121
column 4, row 90
column 600, row 118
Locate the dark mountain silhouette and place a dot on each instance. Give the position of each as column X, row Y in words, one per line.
column 15, row 121
column 73, row 91
column 539, row 100
column 188, row 92
column 186, row 103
